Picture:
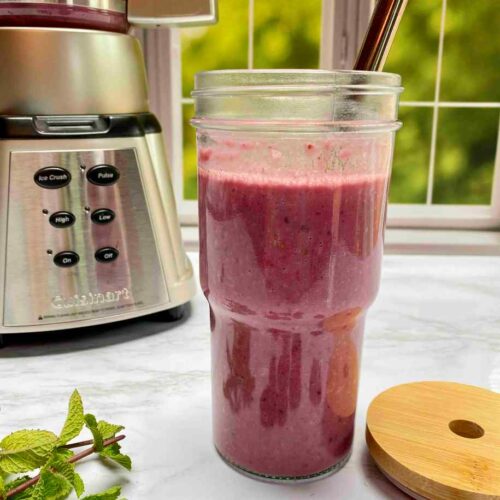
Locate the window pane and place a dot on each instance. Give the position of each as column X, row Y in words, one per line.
column 221, row 46
column 287, row 33
column 411, row 157
column 471, row 51
column 414, row 51
column 189, row 137
column 465, row 155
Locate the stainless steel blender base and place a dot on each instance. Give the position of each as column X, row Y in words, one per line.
column 80, row 101
column 151, row 272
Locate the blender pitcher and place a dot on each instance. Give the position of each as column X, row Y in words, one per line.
column 294, row 170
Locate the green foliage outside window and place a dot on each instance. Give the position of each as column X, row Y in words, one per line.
column 287, row 35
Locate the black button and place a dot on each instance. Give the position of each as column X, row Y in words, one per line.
column 62, row 219
column 66, row 259
column 103, row 175
column 102, row 216
column 52, row 177
column 106, row 254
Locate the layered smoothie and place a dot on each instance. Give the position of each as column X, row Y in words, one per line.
column 291, row 236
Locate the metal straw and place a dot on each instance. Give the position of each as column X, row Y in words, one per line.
column 381, row 31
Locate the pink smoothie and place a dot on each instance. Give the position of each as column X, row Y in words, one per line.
column 289, row 264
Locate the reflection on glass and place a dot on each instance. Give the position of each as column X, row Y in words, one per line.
column 283, row 390
column 239, row 385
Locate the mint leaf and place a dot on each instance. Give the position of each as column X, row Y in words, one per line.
column 91, row 423
column 78, row 485
column 74, row 421
column 111, row 494
column 113, row 453
column 58, row 463
column 51, row 486
column 63, row 453
column 24, row 495
column 25, row 450
column 2, row 486
column 108, row 430
column 15, row 483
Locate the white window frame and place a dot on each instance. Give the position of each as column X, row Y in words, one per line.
column 343, row 26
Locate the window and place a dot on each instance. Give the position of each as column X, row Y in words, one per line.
column 447, row 163
column 249, row 34
column 444, row 165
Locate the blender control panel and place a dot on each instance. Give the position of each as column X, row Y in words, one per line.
column 80, row 242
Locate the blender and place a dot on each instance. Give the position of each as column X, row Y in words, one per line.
column 89, row 232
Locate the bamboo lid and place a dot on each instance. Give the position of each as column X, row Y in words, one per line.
column 437, row 440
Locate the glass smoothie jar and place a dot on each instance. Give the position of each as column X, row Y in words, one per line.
column 110, row 15
column 294, row 170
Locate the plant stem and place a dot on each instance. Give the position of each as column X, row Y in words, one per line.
column 78, row 444
column 73, row 459
column 89, row 451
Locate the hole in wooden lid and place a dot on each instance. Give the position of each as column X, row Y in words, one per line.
column 466, row 429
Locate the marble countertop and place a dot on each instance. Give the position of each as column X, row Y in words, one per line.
column 436, row 318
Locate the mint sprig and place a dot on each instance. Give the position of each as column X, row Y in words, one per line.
column 53, row 457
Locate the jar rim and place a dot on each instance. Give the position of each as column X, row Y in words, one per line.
column 294, row 80
column 304, row 127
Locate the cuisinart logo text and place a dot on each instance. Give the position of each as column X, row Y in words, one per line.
column 90, row 299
